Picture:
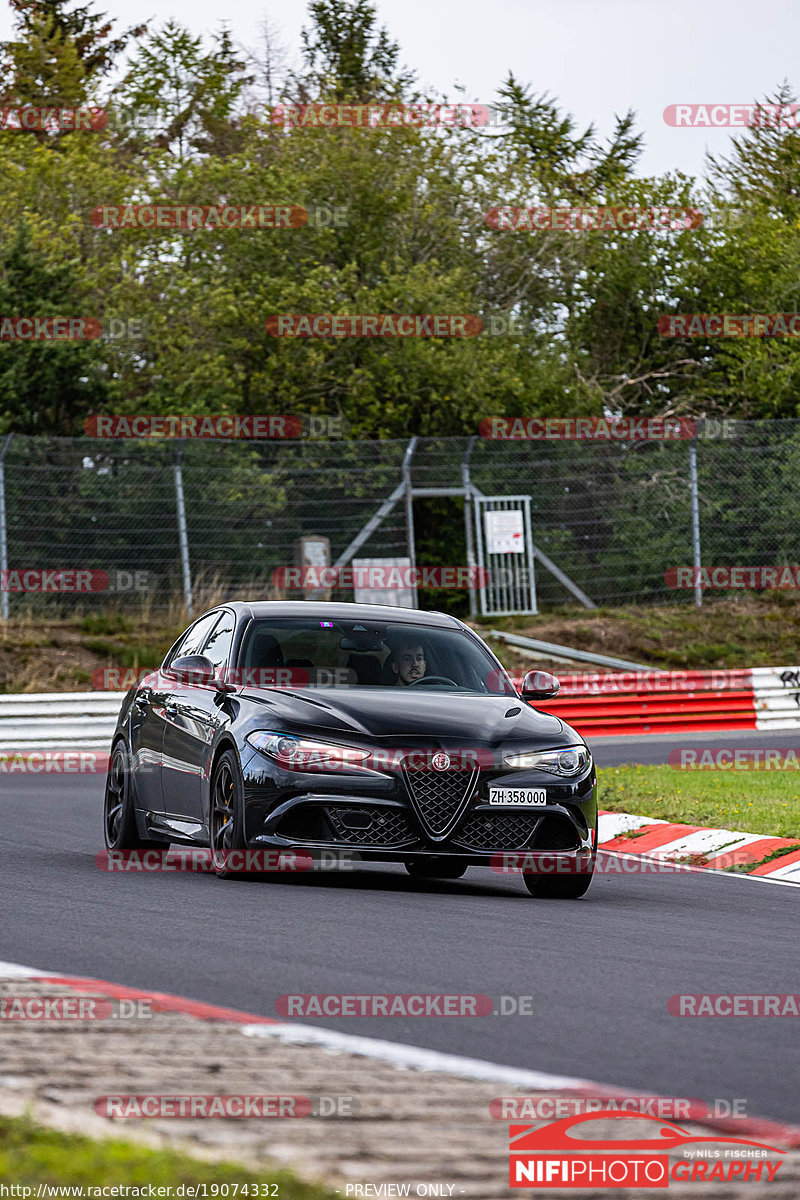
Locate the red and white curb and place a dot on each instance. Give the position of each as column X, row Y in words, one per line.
column 706, row 849
column 403, row 1057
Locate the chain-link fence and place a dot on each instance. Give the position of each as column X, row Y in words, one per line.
column 613, row 516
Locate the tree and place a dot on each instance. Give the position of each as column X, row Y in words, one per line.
column 61, row 53
column 347, row 57
column 45, row 387
column 185, row 95
column 748, row 261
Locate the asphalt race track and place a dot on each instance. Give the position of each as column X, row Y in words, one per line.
column 655, row 748
column 600, row 970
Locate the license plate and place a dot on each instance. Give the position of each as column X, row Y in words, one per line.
column 518, row 797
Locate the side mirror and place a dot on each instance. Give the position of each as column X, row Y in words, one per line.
column 539, row 685
column 196, row 670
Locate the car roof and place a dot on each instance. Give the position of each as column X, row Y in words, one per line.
column 260, row 609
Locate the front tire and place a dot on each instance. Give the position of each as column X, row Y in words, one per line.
column 119, row 811
column 546, row 887
column 226, row 815
column 440, row 868
column 563, row 887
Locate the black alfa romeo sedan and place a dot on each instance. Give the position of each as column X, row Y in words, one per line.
column 389, row 733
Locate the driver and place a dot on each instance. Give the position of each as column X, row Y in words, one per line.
column 408, row 663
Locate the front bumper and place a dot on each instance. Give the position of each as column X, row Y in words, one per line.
column 378, row 819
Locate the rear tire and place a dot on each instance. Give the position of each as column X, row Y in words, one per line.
column 119, row 811
column 440, row 868
column 226, row 814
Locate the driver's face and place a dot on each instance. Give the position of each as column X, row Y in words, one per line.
column 409, row 665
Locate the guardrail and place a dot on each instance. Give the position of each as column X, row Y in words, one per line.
column 642, row 702
column 628, row 702
column 777, row 697
column 60, row 719
column 536, row 648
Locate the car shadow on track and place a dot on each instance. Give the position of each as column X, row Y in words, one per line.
column 383, row 877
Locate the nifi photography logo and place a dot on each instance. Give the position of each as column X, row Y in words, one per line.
column 557, row 1155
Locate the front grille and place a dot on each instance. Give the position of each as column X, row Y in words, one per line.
column 497, row 831
column 377, row 826
column 438, row 796
column 556, row 833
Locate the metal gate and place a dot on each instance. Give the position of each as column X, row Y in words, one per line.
column 505, row 552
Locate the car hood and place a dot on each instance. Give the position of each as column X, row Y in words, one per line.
column 394, row 717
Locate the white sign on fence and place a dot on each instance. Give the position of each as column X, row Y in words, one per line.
column 402, row 596
column 504, row 531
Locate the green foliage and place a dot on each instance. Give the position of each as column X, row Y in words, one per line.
column 346, row 56
column 755, row 801
column 60, row 54
column 185, row 127
column 43, row 385
column 34, row 1154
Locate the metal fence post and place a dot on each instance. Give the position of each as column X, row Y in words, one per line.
column 409, row 491
column 3, row 536
column 468, row 536
column 183, row 535
column 698, row 593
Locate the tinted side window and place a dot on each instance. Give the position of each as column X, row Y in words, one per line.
column 218, row 646
column 195, row 637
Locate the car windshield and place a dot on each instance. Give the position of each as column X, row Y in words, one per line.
column 315, row 652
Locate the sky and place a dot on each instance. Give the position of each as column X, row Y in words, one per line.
column 597, row 57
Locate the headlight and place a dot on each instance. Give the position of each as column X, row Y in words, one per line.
column 570, row 761
column 302, row 754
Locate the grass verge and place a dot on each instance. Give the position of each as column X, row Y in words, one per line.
column 43, row 651
column 754, row 801
column 752, row 630
column 33, row 1154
